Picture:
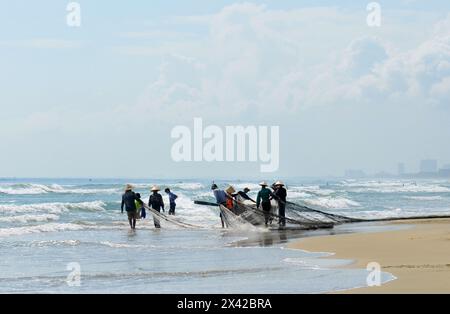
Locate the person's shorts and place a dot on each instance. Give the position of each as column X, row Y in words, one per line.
column 131, row 215
column 172, row 207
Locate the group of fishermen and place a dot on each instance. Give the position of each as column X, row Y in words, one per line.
column 135, row 207
column 230, row 199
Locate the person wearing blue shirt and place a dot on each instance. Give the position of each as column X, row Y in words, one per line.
column 221, row 199
column 172, row 198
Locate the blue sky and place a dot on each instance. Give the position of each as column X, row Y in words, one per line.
column 100, row 100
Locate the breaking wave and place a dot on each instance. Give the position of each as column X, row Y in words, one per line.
column 53, row 208
column 394, row 187
column 34, row 189
column 29, row 218
column 333, row 203
column 424, row 198
column 50, row 227
column 122, row 245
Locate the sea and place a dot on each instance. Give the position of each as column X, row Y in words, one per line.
column 69, row 236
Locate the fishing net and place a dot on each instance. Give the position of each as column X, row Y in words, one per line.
column 170, row 219
column 299, row 216
column 257, row 217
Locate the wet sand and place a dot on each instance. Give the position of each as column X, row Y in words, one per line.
column 419, row 256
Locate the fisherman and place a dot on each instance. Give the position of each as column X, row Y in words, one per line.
column 230, row 191
column 280, row 196
column 129, row 202
column 172, row 198
column 243, row 196
column 221, row 199
column 156, row 202
column 263, row 199
column 140, row 210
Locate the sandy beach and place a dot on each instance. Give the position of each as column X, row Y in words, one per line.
column 419, row 257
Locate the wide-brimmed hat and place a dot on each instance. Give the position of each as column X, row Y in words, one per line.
column 230, row 190
column 129, row 187
column 263, row 183
column 155, row 189
column 279, row 183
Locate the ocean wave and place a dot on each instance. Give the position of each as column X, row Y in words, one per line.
column 394, row 187
column 189, row 212
column 424, row 198
column 396, row 212
column 34, row 189
column 242, row 185
column 122, row 245
column 334, row 203
column 55, row 243
column 53, row 208
column 187, row 186
column 50, row 227
column 299, row 194
column 29, row 218
column 312, row 190
column 190, row 186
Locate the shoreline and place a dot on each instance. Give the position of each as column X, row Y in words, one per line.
column 418, row 257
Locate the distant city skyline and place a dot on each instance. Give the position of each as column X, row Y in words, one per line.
column 424, row 167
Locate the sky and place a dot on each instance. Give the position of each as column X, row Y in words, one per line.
column 101, row 100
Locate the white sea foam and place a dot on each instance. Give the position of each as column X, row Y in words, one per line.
column 52, row 208
column 242, row 185
column 329, row 202
column 396, row 212
column 55, row 243
column 187, row 186
column 303, row 263
column 122, row 245
column 180, row 185
column 50, row 227
column 424, row 198
column 189, row 212
column 311, row 190
column 29, row 218
column 299, row 194
column 395, row 187
column 33, row 189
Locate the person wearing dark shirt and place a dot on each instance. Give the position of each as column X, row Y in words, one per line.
column 156, row 202
column 263, row 199
column 129, row 202
column 243, row 196
column 281, row 195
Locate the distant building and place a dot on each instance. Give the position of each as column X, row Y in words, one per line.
column 352, row 173
column 401, row 169
column 429, row 166
column 445, row 171
column 383, row 174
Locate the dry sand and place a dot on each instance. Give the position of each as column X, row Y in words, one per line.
column 419, row 257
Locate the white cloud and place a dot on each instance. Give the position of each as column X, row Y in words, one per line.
column 254, row 57
column 255, row 62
